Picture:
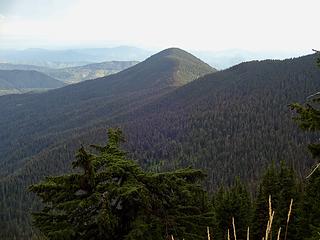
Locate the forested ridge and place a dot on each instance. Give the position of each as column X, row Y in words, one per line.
column 229, row 123
column 235, row 121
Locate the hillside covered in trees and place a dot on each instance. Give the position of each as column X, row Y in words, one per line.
column 229, row 123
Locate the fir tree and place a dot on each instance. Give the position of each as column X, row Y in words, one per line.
column 268, row 187
column 232, row 203
column 281, row 185
column 111, row 197
column 310, row 210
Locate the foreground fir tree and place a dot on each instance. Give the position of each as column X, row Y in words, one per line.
column 233, row 202
column 309, row 222
column 111, row 197
column 282, row 185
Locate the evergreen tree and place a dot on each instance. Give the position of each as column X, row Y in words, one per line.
column 310, row 210
column 308, row 119
column 281, row 185
column 268, row 187
column 111, row 197
column 232, row 203
column 289, row 189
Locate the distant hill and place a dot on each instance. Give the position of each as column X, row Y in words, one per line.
column 229, row 57
column 90, row 71
column 75, row 74
column 19, row 81
column 10, row 66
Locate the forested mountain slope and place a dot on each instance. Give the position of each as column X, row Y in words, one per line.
column 232, row 122
column 28, row 119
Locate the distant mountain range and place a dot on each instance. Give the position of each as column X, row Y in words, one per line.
column 227, row 58
column 175, row 111
column 78, row 57
column 75, row 74
column 20, row 81
column 72, row 57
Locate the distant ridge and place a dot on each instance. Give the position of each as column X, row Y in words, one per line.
column 72, row 57
column 89, row 71
column 75, row 74
column 26, row 80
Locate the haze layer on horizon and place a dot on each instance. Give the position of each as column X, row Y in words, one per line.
column 211, row 25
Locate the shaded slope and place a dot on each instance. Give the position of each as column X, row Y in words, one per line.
column 19, row 81
column 230, row 123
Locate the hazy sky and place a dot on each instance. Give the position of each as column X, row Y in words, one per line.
column 256, row 25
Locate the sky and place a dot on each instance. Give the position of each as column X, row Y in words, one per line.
column 215, row 25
